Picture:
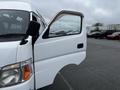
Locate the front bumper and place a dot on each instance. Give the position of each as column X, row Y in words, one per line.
column 28, row 85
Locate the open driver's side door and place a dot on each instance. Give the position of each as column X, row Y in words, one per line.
column 62, row 43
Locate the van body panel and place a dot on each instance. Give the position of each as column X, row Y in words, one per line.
column 47, row 70
column 8, row 53
column 55, row 47
column 24, row 52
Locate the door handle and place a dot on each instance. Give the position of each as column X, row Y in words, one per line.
column 81, row 45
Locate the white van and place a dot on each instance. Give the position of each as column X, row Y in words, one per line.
column 31, row 53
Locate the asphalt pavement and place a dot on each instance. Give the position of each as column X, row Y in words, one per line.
column 100, row 70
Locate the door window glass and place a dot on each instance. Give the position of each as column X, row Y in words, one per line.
column 65, row 25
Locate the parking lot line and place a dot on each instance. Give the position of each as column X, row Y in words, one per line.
column 66, row 82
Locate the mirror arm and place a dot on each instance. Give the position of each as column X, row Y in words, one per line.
column 24, row 41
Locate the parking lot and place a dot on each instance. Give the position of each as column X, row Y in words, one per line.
column 100, row 70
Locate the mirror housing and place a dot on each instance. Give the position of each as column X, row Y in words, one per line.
column 33, row 28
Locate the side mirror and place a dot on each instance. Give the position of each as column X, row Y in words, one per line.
column 33, row 29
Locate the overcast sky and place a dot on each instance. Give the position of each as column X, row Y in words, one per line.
column 103, row 11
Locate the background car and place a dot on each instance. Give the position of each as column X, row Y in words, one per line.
column 114, row 36
column 93, row 34
column 99, row 35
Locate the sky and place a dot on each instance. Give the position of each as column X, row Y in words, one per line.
column 103, row 11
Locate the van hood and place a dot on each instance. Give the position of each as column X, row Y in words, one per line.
column 8, row 51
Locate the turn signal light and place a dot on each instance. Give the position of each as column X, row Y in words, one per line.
column 27, row 71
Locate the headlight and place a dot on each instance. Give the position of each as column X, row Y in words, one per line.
column 15, row 73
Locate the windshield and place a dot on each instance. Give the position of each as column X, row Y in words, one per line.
column 13, row 22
